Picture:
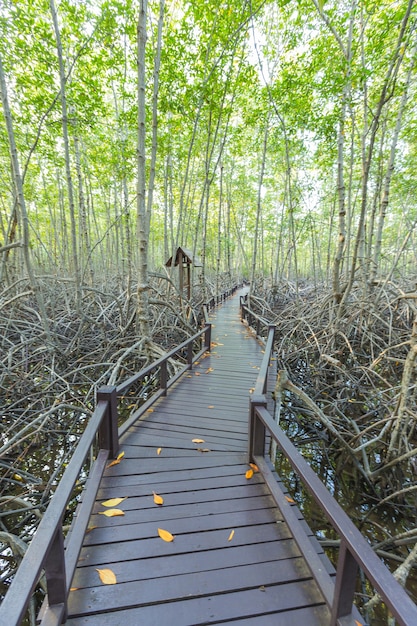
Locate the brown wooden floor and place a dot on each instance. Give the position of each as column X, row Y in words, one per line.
column 259, row 577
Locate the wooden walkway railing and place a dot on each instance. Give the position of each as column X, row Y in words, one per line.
column 242, row 551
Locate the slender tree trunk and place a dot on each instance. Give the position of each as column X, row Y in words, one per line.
column 259, row 205
column 368, row 150
column 62, row 82
column 390, row 169
column 142, row 218
column 18, row 185
column 84, row 257
column 341, row 245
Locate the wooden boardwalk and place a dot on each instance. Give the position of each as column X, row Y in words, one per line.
column 258, row 576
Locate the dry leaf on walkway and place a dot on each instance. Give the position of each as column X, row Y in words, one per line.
column 112, row 512
column 231, row 535
column 157, row 499
column 158, row 452
column 203, row 450
column 107, row 577
column 165, row 535
column 289, row 499
column 150, row 410
column 113, row 502
column 254, row 467
column 90, row 528
column 198, row 441
column 197, row 374
column 249, row 473
column 210, row 406
column 210, row 369
column 116, row 461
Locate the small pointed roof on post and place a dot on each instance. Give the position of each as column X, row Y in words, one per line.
column 184, row 255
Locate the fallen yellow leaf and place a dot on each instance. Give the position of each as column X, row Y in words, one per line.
column 150, row 410
column 289, row 499
column 198, row 441
column 74, row 588
column 90, row 528
column 107, row 577
column 210, row 406
column 18, row 477
column 115, row 462
column 249, row 473
column 111, row 512
column 157, row 499
column 197, row 374
column 358, row 623
column 158, row 452
column 113, row 502
column 254, row 467
column 210, row 369
column 165, row 535
column 203, row 450
column 231, row 535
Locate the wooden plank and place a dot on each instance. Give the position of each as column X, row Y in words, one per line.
column 182, row 498
column 181, row 518
column 105, row 597
column 276, row 606
column 228, row 555
column 180, row 527
column 161, row 464
column 177, row 513
column 183, row 486
column 151, row 477
column 188, row 433
column 199, row 540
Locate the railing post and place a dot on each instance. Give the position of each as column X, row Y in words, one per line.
column 55, row 573
column 207, row 337
column 344, row 590
column 108, row 435
column 163, row 377
column 190, row 355
column 256, row 430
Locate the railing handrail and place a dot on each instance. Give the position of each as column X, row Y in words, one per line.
column 250, row 317
column 125, row 386
column 46, row 550
column 355, row 550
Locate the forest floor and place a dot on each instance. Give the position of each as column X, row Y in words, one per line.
column 357, row 366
